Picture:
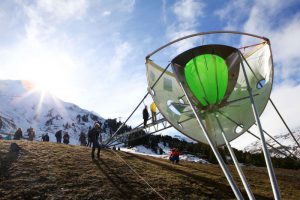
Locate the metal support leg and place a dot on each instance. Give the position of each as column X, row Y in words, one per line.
column 216, row 152
column 270, row 168
column 237, row 164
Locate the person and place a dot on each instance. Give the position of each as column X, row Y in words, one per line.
column 18, row 134
column 66, row 138
column 31, row 134
column 45, row 137
column 95, row 139
column 174, row 156
column 82, row 139
column 58, row 136
column 153, row 111
column 1, row 123
column 89, row 144
column 145, row 116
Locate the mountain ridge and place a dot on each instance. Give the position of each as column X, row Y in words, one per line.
column 24, row 106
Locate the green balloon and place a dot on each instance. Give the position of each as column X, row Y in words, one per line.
column 207, row 77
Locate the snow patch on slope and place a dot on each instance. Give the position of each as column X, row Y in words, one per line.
column 142, row 150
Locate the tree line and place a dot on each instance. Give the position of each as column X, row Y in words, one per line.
column 198, row 149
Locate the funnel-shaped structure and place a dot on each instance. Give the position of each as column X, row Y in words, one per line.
column 215, row 93
column 212, row 77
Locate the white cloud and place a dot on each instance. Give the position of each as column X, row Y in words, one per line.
column 118, row 59
column 267, row 18
column 127, row 5
column 63, row 9
column 44, row 16
column 164, row 11
column 286, row 97
column 187, row 14
column 106, row 13
column 233, row 13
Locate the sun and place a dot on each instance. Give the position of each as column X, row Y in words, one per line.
column 51, row 84
column 46, row 80
column 50, row 70
column 45, row 85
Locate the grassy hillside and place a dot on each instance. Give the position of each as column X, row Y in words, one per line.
column 57, row 171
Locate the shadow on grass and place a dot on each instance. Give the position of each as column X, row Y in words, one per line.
column 124, row 187
column 7, row 159
column 225, row 190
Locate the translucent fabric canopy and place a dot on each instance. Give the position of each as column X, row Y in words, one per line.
column 212, row 77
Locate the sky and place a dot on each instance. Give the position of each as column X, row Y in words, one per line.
column 92, row 52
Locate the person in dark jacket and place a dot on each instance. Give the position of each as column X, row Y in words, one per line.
column 18, row 134
column 96, row 138
column 45, row 138
column 66, row 138
column 145, row 116
column 82, row 139
column 58, row 136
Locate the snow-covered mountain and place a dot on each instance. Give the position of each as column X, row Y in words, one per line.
column 23, row 106
column 285, row 139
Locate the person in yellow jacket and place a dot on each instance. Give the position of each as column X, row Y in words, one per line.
column 153, row 111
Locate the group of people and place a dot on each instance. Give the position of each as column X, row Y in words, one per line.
column 45, row 137
column 60, row 137
column 19, row 134
column 94, row 137
column 146, row 113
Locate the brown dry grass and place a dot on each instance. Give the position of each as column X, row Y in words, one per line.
column 57, row 171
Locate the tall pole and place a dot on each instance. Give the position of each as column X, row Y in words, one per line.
column 236, row 163
column 270, row 168
column 215, row 151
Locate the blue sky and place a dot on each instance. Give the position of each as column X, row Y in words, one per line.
column 91, row 52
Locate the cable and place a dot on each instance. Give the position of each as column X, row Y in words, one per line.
column 153, row 189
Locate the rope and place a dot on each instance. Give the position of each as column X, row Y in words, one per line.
column 134, row 171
